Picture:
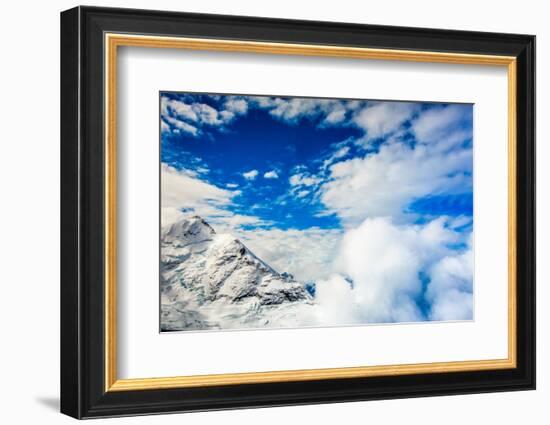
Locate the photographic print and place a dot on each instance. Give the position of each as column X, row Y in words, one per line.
column 292, row 212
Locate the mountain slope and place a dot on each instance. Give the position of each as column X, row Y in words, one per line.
column 213, row 281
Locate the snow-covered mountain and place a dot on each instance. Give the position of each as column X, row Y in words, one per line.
column 213, row 281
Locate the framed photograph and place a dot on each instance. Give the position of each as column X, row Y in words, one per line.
column 261, row 212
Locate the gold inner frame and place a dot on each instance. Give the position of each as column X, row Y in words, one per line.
column 113, row 41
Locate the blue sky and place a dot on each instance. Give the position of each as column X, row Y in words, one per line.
column 229, row 153
column 376, row 193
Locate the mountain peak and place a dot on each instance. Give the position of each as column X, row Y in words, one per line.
column 190, row 229
column 213, row 281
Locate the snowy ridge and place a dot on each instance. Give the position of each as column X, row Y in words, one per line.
column 213, row 281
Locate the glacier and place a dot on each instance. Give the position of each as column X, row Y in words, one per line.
column 212, row 281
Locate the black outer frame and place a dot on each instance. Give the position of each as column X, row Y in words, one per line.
column 82, row 206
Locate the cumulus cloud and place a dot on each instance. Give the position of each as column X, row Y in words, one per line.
column 450, row 290
column 376, row 119
column 384, row 118
column 335, row 116
column 292, row 110
column 343, row 151
column 175, row 107
column 304, row 179
column 337, row 302
column 307, row 254
column 207, row 114
column 378, row 274
column 235, row 105
column 436, row 124
column 177, row 126
column 182, row 191
column 169, row 215
column 271, row 175
column 385, row 182
column 199, row 113
column 177, row 115
column 202, row 170
column 250, row 175
column 303, row 184
column 340, row 152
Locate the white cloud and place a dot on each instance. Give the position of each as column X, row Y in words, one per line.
column 231, row 185
column 271, row 175
column 304, row 179
column 385, row 182
column 226, row 116
column 209, row 115
column 169, row 215
column 295, row 179
column 450, row 291
column 181, row 190
column 250, row 175
column 294, row 109
column 202, row 170
column 306, row 254
column 335, row 116
column 238, row 106
column 337, row 304
column 436, row 124
column 177, row 108
column 343, row 151
column 190, row 117
column 353, row 105
column 384, row 118
column 291, row 110
column 227, row 222
column 263, row 102
column 339, row 153
column 196, row 113
column 302, row 193
column 179, row 125
column 383, row 261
